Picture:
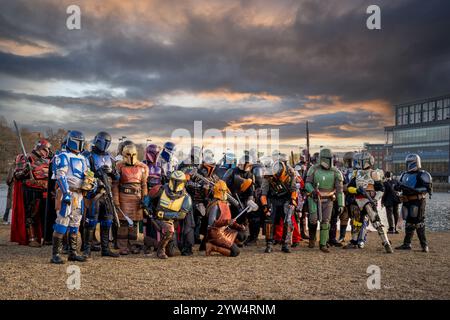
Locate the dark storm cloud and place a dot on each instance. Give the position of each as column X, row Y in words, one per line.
column 326, row 50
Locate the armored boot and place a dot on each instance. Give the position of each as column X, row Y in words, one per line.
column 312, row 235
column 382, row 232
column 342, row 232
column 353, row 244
column 269, row 237
column 285, row 248
column 32, row 240
column 161, row 252
column 95, row 244
column 88, row 234
column 287, row 236
column 422, row 238
column 73, row 256
column 202, row 246
column 57, row 249
column 332, row 236
column 409, row 233
column 269, row 247
column 324, row 232
column 104, row 240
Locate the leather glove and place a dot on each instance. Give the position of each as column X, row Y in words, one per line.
column 266, row 210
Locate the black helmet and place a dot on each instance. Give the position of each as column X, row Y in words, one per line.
column 347, row 159
column 102, row 141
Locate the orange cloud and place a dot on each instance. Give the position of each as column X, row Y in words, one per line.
column 319, row 105
column 30, row 48
column 225, row 94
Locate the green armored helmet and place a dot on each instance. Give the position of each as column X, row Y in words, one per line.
column 326, row 158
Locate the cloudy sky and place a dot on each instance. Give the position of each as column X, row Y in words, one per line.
column 144, row 68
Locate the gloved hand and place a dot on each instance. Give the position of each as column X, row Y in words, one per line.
column 67, row 198
column 146, row 201
column 266, row 210
column 341, row 210
column 360, row 190
column 106, row 169
column 252, row 204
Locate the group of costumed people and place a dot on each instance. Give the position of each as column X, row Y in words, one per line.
column 162, row 204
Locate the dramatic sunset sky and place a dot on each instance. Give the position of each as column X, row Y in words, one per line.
column 144, row 68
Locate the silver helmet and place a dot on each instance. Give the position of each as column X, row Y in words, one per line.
column 413, row 162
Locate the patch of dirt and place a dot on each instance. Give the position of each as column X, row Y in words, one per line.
column 25, row 273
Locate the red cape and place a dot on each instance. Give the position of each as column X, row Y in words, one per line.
column 18, row 230
column 18, row 227
column 278, row 232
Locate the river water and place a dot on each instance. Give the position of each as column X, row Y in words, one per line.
column 438, row 210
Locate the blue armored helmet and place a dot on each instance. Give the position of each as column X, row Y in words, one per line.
column 413, row 162
column 168, row 151
column 229, row 160
column 102, row 141
column 75, row 141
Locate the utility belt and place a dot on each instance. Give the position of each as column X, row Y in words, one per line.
column 328, row 198
column 328, row 195
column 129, row 190
column 413, row 197
column 36, row 184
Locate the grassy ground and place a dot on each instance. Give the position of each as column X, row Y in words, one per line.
column 25, row 273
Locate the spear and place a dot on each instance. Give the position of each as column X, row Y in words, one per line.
column 27, row 161
column 308, row 157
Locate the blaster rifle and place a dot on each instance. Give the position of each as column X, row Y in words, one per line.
column 109, row 198
column 149, row 213
column 230, row 197
column 363, row 191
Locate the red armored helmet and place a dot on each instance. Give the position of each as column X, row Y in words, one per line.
column 43, row 148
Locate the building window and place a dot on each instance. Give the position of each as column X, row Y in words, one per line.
column 439, row 110
column 446, row 109
column 399, row 116
column 411, row 114
column 425, row 112
column 418, row 113
column 431, row 111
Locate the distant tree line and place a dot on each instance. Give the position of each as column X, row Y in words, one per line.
column 10, row 146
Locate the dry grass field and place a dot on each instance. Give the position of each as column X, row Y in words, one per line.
column 25, row 273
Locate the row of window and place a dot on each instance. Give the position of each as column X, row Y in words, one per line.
column 421, row 135
column 432, row 167
column 423, row 112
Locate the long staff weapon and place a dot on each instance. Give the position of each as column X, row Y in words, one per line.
column 27, row 161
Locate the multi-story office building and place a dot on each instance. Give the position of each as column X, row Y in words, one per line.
column 421, row 127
